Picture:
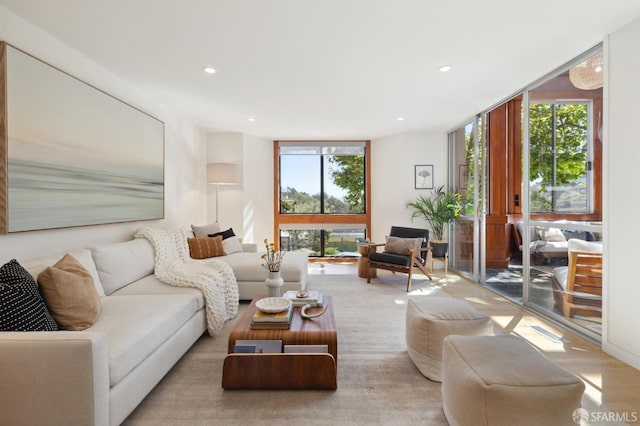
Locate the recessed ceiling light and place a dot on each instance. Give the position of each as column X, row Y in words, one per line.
column 209, row 70
column 445, row 68
column 251, row 119
column 400, row 118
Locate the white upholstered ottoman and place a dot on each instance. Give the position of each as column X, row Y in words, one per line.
column 501, row 380
column 430, row 319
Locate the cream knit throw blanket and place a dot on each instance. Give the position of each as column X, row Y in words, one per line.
column 213, row 277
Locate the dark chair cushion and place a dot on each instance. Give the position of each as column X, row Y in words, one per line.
column 399, row 231
column 396, row 259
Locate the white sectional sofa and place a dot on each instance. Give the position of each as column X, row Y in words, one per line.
column 99, row 375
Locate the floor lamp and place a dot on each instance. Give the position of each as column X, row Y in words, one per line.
column 222, row 174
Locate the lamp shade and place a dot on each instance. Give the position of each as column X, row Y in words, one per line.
column 222, row 173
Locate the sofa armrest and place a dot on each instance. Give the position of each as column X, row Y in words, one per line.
column 58, row 377
column 249, row 247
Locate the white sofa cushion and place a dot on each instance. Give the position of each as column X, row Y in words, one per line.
column 36, row 266
column 152, row 285
column 248, row 266
column 136, row 325
column 120, row 264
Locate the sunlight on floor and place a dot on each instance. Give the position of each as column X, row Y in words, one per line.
column 333, row 268
column 571, row 351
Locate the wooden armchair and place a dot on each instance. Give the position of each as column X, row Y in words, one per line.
column 578, row 286
column 406, row 258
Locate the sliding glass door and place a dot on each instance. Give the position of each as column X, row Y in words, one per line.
column 530, row 173
column 562, row 213
column 466, row 176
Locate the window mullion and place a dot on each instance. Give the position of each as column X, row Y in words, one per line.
column 322, row 210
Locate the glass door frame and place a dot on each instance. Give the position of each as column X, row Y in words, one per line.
column 477, row 271
column 480, row 198
column 526, row 207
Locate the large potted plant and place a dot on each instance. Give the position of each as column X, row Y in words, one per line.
column 439, row 210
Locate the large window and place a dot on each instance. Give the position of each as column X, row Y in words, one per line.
column 322, row 179
column 322, row 197
column 560, row 157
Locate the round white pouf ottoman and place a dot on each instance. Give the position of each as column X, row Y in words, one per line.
column 430, row 319
column 502, row 381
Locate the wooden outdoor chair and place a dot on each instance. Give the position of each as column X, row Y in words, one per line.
column 578, row 286
column 404, row 261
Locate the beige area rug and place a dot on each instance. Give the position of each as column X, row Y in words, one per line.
column 377, row 381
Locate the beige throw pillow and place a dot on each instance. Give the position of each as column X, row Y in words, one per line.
column 70, row 295
column 204, row 230
column 398, row 245
column 204, row 248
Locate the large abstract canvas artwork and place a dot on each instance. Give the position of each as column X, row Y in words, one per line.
column 73, row 155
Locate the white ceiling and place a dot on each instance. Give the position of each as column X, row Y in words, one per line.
column 328, row 69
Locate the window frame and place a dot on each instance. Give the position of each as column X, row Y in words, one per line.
column 320, row 220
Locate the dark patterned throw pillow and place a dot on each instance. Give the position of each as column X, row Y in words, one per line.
column 225, row 234
column 21, row 305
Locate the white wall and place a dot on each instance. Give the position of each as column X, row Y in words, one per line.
column 392, row 177
column 225, row 148
column 621, row 335
column 183, row 147
column 258, row 190
column 392, row 169
column 248, row 207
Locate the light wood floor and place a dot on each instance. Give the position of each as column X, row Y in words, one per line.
column 612, row 387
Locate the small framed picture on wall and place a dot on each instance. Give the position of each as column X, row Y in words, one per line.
column 424, row 176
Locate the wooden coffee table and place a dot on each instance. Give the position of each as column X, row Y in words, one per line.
column 284, row 370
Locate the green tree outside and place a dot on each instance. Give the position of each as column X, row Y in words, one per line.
column 347, row 172
column 564, row 166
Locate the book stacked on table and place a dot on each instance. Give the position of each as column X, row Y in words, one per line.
column 313, row 298
column 258, row 346
column 278, row 320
